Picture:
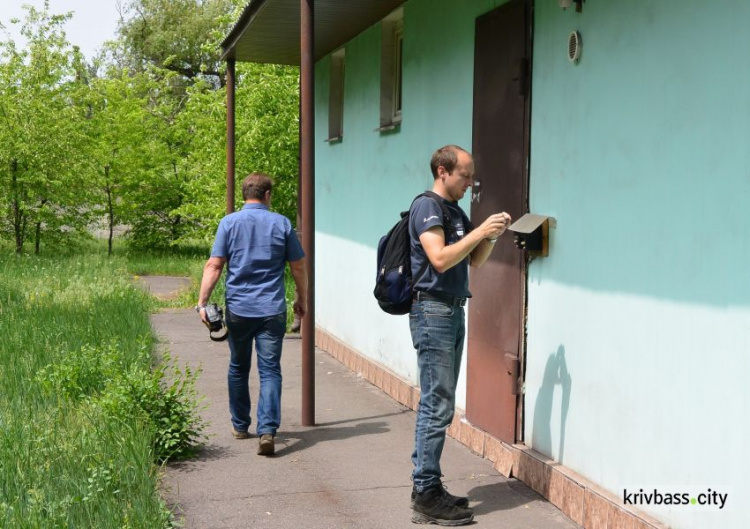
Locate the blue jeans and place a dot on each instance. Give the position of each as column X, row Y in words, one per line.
column 268, row 334
column 437, row 331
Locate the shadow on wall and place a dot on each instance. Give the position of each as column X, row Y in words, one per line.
column 555, row 373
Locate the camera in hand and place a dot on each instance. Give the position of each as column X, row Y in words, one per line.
column 215, row 322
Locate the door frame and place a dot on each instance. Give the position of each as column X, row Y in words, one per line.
column 521, row 402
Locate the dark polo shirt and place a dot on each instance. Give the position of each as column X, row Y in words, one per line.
column 424, row 214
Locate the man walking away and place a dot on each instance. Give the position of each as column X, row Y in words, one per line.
column 440, row 257
column 255, row 244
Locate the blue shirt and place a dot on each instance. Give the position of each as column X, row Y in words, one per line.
column 257, row 244
column 424, row 214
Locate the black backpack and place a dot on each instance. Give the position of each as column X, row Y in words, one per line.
column 393, row 284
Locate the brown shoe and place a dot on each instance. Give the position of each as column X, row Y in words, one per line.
column 240, row 435
column 265, row 445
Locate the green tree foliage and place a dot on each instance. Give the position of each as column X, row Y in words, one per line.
column 178, row 35
column 267, row 133
column 121, row 156
column 136, row 138
column 268, row 129
column 40, row 135
column 154, row 222
column 184, row 37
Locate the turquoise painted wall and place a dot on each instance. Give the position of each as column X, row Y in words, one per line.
column 393, row 167
column 649, row 139
column 364, row 182
column 639, row 321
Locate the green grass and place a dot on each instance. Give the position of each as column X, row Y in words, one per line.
column 85, row 416
column 187, row 261
column 80, row 402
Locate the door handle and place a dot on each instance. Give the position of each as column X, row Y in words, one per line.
column 476, row 191
column 513, row 367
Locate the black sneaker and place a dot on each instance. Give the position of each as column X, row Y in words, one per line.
column 458, row 501
column 433, row 507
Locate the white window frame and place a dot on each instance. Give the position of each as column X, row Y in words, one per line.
column 336, row 96
column 398, row 52
column 391, row 70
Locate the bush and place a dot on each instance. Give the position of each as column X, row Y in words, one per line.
column 163, row 398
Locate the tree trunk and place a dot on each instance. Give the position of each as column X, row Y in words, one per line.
column 38, row 231
column 38, row 236
column 174, row 222
column 18, row 224
column 174, row 227
column 111, row 210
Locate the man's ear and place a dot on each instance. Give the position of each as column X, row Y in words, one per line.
column 441, row 172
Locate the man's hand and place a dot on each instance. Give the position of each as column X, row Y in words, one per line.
column 495, row 225
column 299, row 274
column 300, row 307
column 491, row 229
column 211, row 275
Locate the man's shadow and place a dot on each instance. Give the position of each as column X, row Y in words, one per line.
column 501, row 496
column 331, row 431
column 555, row 374
column 203, row 453
column 512, row 493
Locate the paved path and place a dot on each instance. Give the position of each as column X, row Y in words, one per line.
column 162, row 287
column 350, row 471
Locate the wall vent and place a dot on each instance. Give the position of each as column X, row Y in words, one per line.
column 574, row 46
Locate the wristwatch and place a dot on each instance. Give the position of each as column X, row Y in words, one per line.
column 199, row 308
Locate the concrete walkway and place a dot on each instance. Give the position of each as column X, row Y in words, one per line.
column 162, row 287
column 352, row 470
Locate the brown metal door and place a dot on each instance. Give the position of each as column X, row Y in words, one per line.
column 500, row 148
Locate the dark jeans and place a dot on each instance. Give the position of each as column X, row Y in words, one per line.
column 268, row 334
column 437, row 331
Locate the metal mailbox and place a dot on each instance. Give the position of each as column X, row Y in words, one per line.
column 531, row 234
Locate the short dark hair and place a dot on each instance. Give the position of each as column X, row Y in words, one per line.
column 255, row 186
column 446, row 156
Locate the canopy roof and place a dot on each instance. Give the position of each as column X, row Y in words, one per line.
column 268, row 31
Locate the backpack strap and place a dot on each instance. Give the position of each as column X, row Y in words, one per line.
column 447, row 222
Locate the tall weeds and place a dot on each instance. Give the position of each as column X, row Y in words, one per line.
column 85, row 417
